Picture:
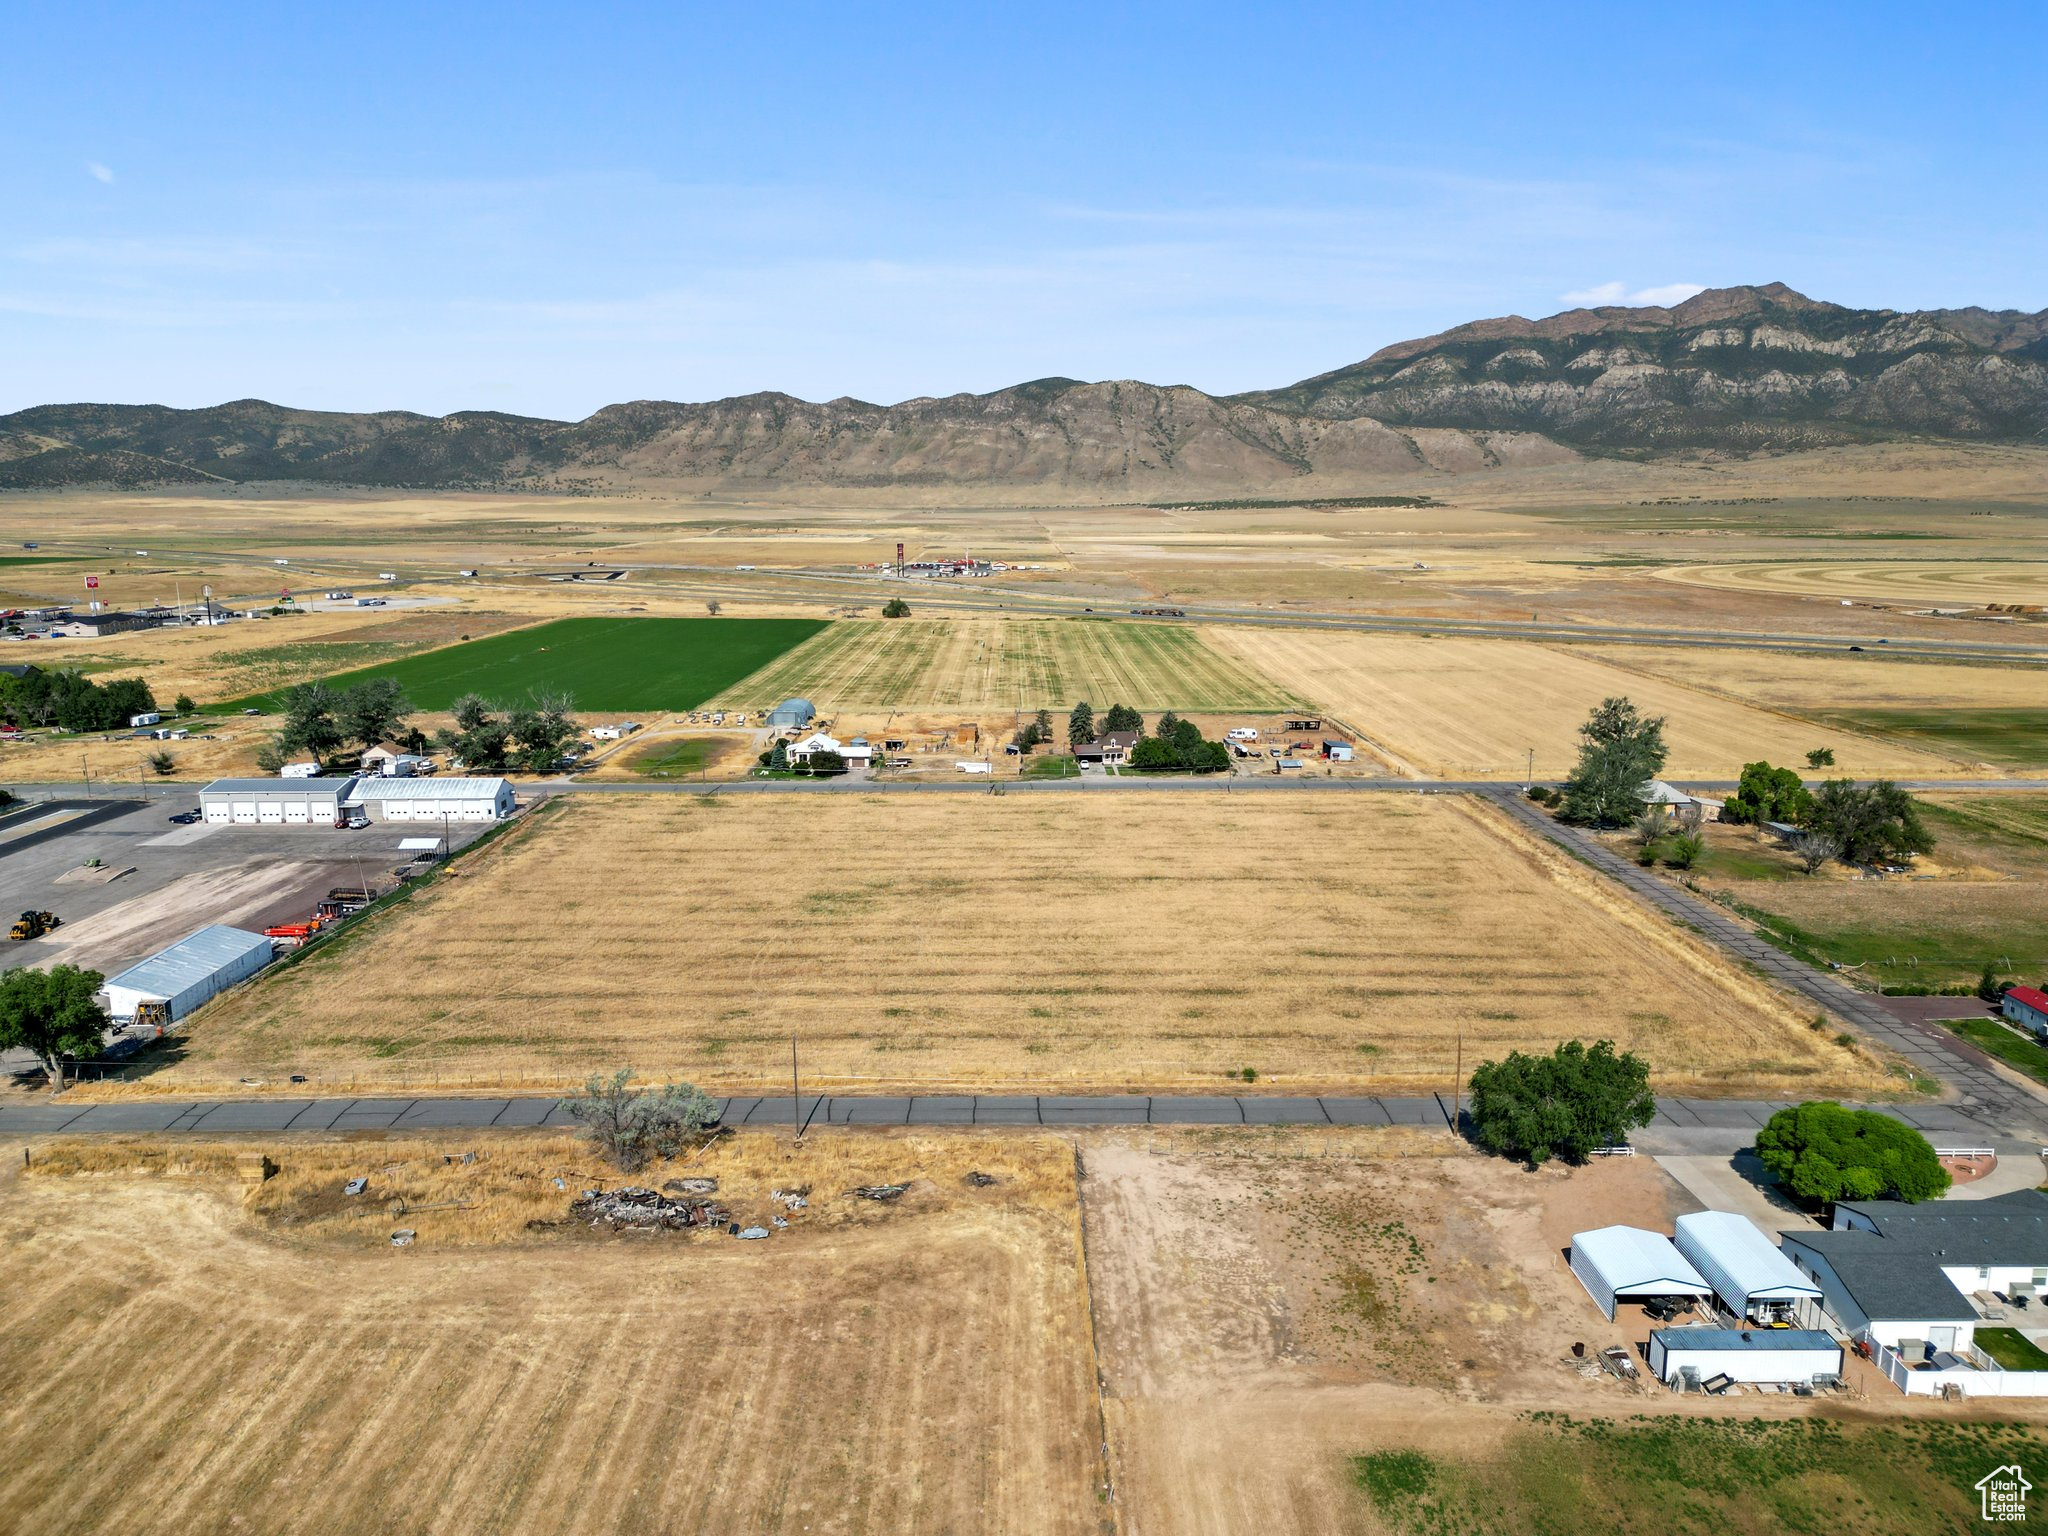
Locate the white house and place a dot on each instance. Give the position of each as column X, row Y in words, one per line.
column 855, row 751
column 1907, row 1276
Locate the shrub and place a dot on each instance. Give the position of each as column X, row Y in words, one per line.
column 183, row 704
column 1823, row 1151
column 1685, row 850
column 896, row 608
column 632, row 1127
column 1990, row 988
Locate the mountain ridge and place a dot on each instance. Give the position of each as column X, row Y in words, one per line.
column 1730, row 370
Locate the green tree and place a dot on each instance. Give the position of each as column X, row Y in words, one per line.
column 778, row 757
column 373, row 710
column 1122, row 717
column 162, row 764
column 1989, row 988
column 827, row 762
column 543, row 733
column 1564, row 1104
column 1043, row 725
column 631, row 1127
column 1824, row 1151
column 52, row 1014
column 311, row 726
column 1876, row 823
column 480, row 741
column 896, row 608
column 1165, row 728
column 1821, row 757
column 1619, row 752
column 1151, row 755
column 1768, row 794
column 183, row 704
column 1685, row 849
column 1081, row 725
column 1187, row 740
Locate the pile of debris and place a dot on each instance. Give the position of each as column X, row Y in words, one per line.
column 633, row 1206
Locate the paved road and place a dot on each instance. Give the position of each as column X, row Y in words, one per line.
column 1982, row 1092
column 1680, row 1122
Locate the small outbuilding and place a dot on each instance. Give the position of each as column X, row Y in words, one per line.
column 1784, row 1356
column 792, row 715
column 190, row 973
column 1617, row 1264
column 1749, row 1273
column 2026, row 1007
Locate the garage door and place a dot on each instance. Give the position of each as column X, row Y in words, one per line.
column 244, row 811
column 269, row 812
column 297, row 813
column 217, row 812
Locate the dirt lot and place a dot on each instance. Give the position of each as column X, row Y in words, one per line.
column 1457, row 708
column 181, row 1356
column 1269, row 1310
column 1080, row 942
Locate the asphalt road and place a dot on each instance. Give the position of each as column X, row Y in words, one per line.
column 1983, row 1093
column 1682, row 1123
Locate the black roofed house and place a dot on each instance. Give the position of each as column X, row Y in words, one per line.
column 1920, row 1279
column 1109, row 749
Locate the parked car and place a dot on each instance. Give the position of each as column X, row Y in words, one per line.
column 184, row 818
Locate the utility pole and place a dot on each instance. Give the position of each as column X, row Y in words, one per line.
column 796, row 1098
column 1457, row 1083
column 1530, row 781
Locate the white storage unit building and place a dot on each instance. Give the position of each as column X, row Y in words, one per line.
column 275, row 802
column 1780, row 1355
column 190, row 972
column 433, row 799
column 1617, row 1264
column 1748, row 1271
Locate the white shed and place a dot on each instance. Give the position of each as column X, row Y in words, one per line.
column 1748, row 1271
column 1627, row 1263
column 1780, row 1355
column 434, row 799
column 190, row 972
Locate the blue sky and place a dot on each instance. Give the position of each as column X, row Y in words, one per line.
column 548, row 209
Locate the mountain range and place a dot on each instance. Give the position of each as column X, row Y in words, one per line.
column 1729, row 371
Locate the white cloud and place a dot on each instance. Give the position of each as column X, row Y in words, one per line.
column 98, row 172
column 1618, row 293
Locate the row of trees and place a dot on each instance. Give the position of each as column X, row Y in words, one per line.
column 72, row 701
column 1580, row 1098
column 319, row 720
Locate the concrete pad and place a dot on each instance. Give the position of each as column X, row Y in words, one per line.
column 525, row 1112
column 1283, row 1112
column 875, row 1111
column 1356, row 1111
column 257, row 1116
column 942, row 1109
column 1193, row 1111
column 1721, row 1183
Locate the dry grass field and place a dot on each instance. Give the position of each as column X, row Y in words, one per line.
column 1935, row 583
column 1864, row 680
column 1155, row 941
column 1007, row 664
column 183, row 1354
column 1462, row 708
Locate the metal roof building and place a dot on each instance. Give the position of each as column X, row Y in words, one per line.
column 190, row 972
column 1742, row 1354
column 433, row 799
column 1745, row 1268
column 1617, row 1263
column 277, row 802
column 792, row 715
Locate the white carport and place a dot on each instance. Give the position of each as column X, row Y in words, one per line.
column 1617, row 1264
column 1751, row 1275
